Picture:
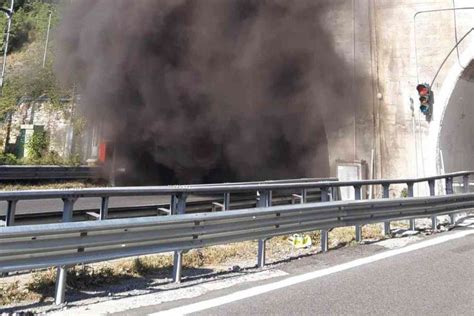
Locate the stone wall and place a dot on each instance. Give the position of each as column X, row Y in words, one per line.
column 57, row 124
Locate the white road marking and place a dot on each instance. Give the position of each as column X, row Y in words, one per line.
column 142, row 298
column 240, row 295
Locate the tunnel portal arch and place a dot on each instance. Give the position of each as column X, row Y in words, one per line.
column 442, row 102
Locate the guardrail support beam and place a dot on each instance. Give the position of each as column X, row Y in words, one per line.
column 261, row 253
column 324, row 233
column 324, row 240
column 434, row 219
column 177, row 266
column 178, row 206
column 104, row 208
column 263, row 201
column 410, row 194
column 10, row 218
column 386, row 195
column 449, row 190
column 465, row 183
column 304, row 195
column 333, row 192
column 324, row 194
column 60, row 285
column 61, row 273
column 358, row 228
column 226, row 201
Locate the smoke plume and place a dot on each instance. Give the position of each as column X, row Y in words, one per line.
column 206, row 90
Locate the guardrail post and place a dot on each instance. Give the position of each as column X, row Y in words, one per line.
column 358, row 228
column 324, row 233
column 334, row 195
column 465, row 183
column 386, row 195
column 178, row 206
column 263, row 201
column 62, row 270
column 449, row 190
column 226, row 201
column 410, row 194
column 304, row 195
column 10, row 218
column 434, row 219
column 104, row 208
column 449, row 185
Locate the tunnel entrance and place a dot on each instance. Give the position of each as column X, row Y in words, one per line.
column 457, row 130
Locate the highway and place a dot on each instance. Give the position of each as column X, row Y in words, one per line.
column 428, row 279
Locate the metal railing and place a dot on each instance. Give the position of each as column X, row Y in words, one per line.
column 13, row 197
column 41, row 246
column 21, row 173
column 37, row 246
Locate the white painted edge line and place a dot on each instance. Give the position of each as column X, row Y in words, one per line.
column 254, row 291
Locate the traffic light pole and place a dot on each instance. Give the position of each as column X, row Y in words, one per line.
column 414, row 32
column 449, row 54
column 424, row 89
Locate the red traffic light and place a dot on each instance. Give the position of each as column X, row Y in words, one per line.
column 423, row 90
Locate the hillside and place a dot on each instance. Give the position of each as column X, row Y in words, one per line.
column 25, row 74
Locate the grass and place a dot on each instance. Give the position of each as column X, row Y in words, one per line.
column 12, row 293
column 41, row 284
column 16, row 186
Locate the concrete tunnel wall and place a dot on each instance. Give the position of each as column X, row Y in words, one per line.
column 378, row 37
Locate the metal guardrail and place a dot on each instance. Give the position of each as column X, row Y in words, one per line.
column 33, row 246
column 41, row 246
column 152, row 209
column 17, row 173
column 238, row 201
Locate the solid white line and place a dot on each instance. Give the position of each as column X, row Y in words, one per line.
column 240, row 295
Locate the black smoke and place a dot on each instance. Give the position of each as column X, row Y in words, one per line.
column 206, row 90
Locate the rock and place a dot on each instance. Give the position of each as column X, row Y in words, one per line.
column 410, row 233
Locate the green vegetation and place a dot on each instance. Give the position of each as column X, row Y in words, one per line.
column 28, row 79
column 25, row 74
column 8, row 159
column 50, row 158
column 57, row 185
column 37, row 145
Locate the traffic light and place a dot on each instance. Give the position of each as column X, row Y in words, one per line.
column 424, row 92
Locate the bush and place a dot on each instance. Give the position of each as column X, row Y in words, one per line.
column 8, row 159
column 404, row 193
column 37, row 145
column 52, row 158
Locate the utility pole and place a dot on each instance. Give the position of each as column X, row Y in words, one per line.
column 412, row 108
column 9, row 14
column 47, row 39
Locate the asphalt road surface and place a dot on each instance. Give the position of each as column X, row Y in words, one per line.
column 436, row 279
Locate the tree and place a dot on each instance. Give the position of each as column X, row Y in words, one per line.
column 26, row 76
column 29, row 23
